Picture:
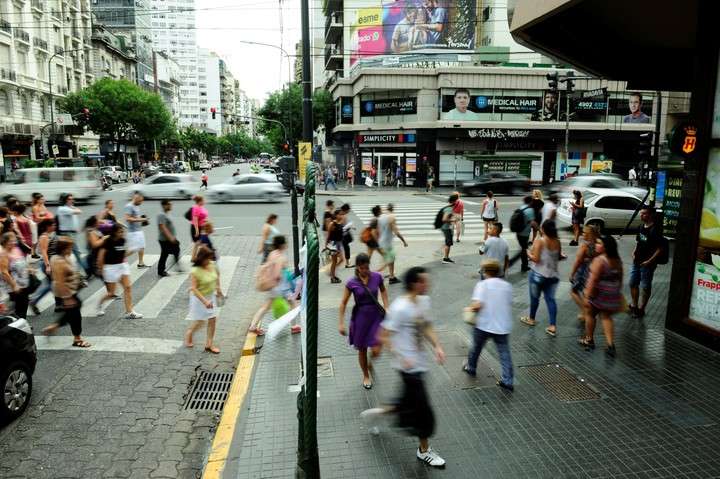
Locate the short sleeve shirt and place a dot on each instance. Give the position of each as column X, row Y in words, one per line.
column 439, row 15
column 164, row 219
column 407, row 321
column 529, row 214
column 448, row 210
column 496, row 248
column 198, row 214
column 133, row 210
column 114, row 250
column 67, row 219
column 495, row 316
column 459, row 207
column 648, row 241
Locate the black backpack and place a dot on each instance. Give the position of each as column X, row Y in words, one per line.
column 439, row 218
column 188, row 214
column 517, row 220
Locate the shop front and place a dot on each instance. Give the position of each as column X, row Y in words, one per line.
column 389, row 157
column 16, row 151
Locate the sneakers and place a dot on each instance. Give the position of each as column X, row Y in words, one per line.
column 133, row 315
column 431, row 458
column 447, row 261
column 163, row 274
column 35, row 309
column 372, row 417
column 394, row 280
column 141, row 266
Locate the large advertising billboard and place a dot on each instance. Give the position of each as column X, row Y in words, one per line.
column 400, row 26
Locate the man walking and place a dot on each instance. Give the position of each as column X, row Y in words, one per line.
column 404, row 331
column 647, row 251
column 135, row 221
column 68, row 224
column 632, row 177
column 523, row 235
column 387, row 230
column 169, row 244
column 447, row 227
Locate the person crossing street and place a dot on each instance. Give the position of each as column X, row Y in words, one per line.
column 167, row 238
column 135, row 220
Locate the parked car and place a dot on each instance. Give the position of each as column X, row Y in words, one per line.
column 599, row 181
column 499, row 182
column 215, row 162
column 204, row 165
column 163, row 186
column 606, row 208
column 115, row 173
column 247, row 187
column 82, row 182
column 18, row 356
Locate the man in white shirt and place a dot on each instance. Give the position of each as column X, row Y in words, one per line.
column 496, row 248
column 632, row 176
column 549, row 210
column 68, row 224
column 492, row 300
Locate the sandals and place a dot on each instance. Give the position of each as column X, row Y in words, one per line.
column 257, row 331
column 335, row 280
column 81, row 344
column 526, row 320
column 551, row 332
column 212, row 350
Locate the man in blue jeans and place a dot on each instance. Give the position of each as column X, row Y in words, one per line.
column 647, row 250
column 492, row 301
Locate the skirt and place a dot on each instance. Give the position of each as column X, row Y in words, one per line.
column 199, row 312
column 112, row 273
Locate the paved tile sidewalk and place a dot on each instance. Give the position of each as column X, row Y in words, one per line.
column 656, row 416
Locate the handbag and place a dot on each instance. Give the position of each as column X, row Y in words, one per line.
column 33, row 283
column 374, row 298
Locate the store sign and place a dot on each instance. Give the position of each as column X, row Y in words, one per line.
column 366, row 163
column 684, row 139
column 497, row 134
column 386, row 138
column 399, row 106
column 669, row 191
column 493, row 104
column 346, row 110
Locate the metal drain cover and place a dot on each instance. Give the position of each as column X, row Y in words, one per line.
column 210, row 391
column 561, row 383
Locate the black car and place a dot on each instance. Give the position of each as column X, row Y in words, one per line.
column 500, row 182
column 18, row 356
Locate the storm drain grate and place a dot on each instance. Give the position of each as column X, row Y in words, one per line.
column 210, row 391
column 561, row 383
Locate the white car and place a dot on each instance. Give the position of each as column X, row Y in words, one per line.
column 606, row 208
column 594, row 182
column 163, row 186
column 115, row 174
column 205, row 165
column 247, row 187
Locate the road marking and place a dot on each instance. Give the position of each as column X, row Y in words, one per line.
column 113, row 344
column 162, row 293
column 223, row 228
column 226, row 429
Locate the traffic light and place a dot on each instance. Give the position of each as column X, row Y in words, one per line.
column 644, row 148
column 570, row 83
column 86, row 113
column 286, row 147
column 213, row 111
column 552, row 79
column 287, row 163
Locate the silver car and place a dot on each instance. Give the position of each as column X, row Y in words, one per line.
column 163, row 186
column 606, row 208
column 247, row 187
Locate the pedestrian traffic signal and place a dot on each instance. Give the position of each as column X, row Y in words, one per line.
column 213, row 111
column 552, row 79
column 570, row 83
column 644, row 148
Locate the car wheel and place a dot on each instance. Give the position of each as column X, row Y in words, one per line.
column 16, row 388
column 599, row 224
column 185, row 195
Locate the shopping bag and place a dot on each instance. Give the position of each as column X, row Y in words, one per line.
column 368, row 182
column 280, row 306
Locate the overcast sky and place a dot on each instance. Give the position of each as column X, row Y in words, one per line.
column 221, row 24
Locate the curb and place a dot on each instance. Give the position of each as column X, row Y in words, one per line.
column 220, row 448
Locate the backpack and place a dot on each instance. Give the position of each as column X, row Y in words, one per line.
column 439, row 217
column 517, row 220
column 664, row 256
column 366, row 235
column 264, row 281
column 188, row 214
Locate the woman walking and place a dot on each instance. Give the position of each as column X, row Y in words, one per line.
column 603, row 293
column 458, row 217
column 544, row 277
column 578, row 215
column 269, row 232
column 205, row 291
column 112, row 261
column 372, row 229
column 489, row 212
column 15, row 274
column 198, row 216
column 46, row 249
column 347, row 237
column 334, row 244
column 537, row 205
column 581, row 267
column 39, row 210
column 94, row 240
column 366, row 315
column 66, row 283
column 107, row 214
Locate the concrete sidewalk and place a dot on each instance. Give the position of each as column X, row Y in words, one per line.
column 650, row 412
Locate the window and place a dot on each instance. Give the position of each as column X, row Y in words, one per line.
column 617, row 203
column 601, row 184
column 5, row 106
column 165, row 179
column 25, row 106
column 69, row 175
column 43, row 109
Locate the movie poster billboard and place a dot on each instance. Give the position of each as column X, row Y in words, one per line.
column 399, row 26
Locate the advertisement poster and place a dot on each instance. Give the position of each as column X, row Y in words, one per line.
column 411, row 165
column 346, row 110
column 304, row 154
column 601, row 166
column 391, row 106
column 705, row 299
column 671, row 200
column 399, row 26
column 366, row 163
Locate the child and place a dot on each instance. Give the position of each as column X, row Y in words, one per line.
column 496, row 248
column 205, row 231
column 492, row 301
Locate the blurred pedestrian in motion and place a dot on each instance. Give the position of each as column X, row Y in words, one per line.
column 267, row 236
column 330, row 179
column 198, row 215
column 544, row 277
column 578, row 215
column 492, row 303
column 6, row 224
column 603, row 293
column 66, row 280
column 351, row 177
column 204, row 180
column 107, row 214
column 366, row 315
column 446, row 215
column 46, row 249
column 328, row 215
column 272, row 282
column 489, row 212
column 15, row 273
column 23, row 228
column 537, row 206
column 205, row 291
column 430, row 179
column 648, row 249
column 370, row 234
column 526, row 219
column 112, row 261
column 404, row 332
column 68, row 224
column 347, row 233
column 167, row 237
column 39, row 210
column 459, row 217
column 94, row 240
column 549, row 209
column 387, row 231
column 205, row 240
column 581, row 267
column 136, row 220
column 333, row 244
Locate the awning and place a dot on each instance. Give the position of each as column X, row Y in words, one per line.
column 94, row 156
column 649, row 43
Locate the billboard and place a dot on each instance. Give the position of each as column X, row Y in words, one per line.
column 388, row 107
column 399, row 26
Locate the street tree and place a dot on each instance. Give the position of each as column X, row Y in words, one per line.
column 119, row 110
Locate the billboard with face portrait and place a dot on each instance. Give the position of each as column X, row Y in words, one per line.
column 399, row 26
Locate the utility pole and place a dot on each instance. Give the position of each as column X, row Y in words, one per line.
column 308, row 460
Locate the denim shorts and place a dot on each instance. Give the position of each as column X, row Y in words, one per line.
column 641, row 276
column 448, row 237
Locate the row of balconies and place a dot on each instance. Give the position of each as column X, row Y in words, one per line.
column 5, row 26
column 333, row 27
column 21, row 35
column 333, row 57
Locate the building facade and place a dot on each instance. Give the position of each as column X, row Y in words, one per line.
column 38, row 66
column 168, row 82
column 111, row 56
column 228, row 100
column 209, row 92
column 466, row 122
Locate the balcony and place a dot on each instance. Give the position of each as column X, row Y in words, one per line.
column 333, row 27
column 76, row 33
column 62, row 90
column 40, row 44
column 22, row 35
column 77, row 64
column 37, row 5
column 333, row 57
column 8, row 75
column 56, row 13
column 59, row 50
column 5, row 27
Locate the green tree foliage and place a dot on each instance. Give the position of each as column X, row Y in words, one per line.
column 285, row 106
column 120, row 110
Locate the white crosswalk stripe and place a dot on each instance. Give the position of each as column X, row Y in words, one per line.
column 162, row 293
